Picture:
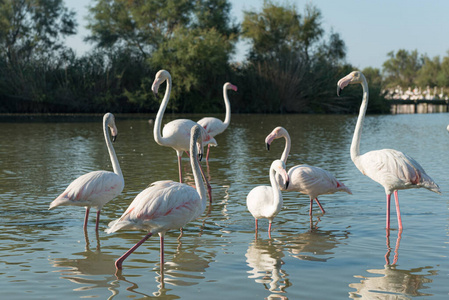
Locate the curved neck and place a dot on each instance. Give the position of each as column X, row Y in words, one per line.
column 355, row 145
column 112, row 155
column 197, row 175
column 277, row 196
column 227, row 119
column 288, row 143
column 160, row 114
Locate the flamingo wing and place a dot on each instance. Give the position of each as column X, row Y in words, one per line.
column 162, row 206
column 91, row 189
column 213, row 126
column 314, row 181
column 395, row 170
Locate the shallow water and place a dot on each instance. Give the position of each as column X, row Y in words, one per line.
column 346, row 254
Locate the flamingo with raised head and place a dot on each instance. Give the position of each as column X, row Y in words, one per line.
column 305, row 179
column 97, row 188
column 214, row 126
column 165, row 205
column 175, row 134
column 393, row 169
column 265, row 202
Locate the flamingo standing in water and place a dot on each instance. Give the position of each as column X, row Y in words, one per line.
column 266, row 201
column 97, row 188
column 175, row 134
column 309, row 180
column 393, row 169
column 165, row 205
column 214, row 126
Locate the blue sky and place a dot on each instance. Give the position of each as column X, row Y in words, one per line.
column 369, row 28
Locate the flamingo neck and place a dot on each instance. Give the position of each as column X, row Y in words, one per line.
column 199, row 184
column 288, row 144
column 227, row 119
column 112, row 155
column 277, row 196
column 160, row 114
column 355, row 145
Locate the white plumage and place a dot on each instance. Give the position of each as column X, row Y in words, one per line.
column 393, row 169
column 97, row 188
column 305, row 179
column 165, row 205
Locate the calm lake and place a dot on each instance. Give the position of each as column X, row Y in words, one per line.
column 346, row 254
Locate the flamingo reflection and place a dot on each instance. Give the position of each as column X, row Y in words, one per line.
column 397, row 283
column 314, row 244
column 264, row 257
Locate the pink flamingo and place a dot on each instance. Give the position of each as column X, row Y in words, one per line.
column 175, row 134
column 309, row 180
column 215, row 126
column 97, row 188
column 393, row 169
column 165, row 205
column 266, row 201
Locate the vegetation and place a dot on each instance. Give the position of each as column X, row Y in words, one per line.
column 291, row 67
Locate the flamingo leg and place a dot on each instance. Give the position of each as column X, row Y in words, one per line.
column 319, row 204
column 119, row 262
column 161, row 238
column 398, row 211
column 269, row 230
column 311, row 205
column 257, row 227
column 388, row 210
column 207, row 155
column 180, row 168
column 98, row 220
column 86, row 217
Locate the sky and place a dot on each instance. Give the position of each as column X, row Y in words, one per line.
column 369, row 28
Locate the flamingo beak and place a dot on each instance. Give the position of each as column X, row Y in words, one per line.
column 286, row 183
column 200, row 156
column 114, row 137
column 339, row 89
column 268, row 147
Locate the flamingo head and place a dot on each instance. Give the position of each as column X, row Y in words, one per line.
column 196, row 141
column 279, row 167
column 109, row 120
column 352, row 78
column 277, row 133
column 230, row 86
column 161, row 76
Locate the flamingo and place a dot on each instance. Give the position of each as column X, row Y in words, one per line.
column 266, row 201
column 309, row 180
column 165, row 205
column 393, row 169
column 214, row 126
column 97, row 188
column 175, row 134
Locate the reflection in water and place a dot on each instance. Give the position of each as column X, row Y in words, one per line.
column 395, row 283
column 265, row 259
column 314, row 245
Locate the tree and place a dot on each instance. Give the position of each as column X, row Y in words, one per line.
column 402, row 68
column 31, row 28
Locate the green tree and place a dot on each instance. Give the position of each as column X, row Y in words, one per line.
column 443, row 75
column 30, row 28
column 402, row 68
column 428, row 74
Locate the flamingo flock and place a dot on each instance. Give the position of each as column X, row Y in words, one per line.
column 168, row 205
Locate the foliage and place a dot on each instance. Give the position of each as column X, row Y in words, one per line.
column 402, row 68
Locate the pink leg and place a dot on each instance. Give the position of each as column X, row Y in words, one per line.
column 319, row 204
column 98, row 220
column 161, row 238
column 86, row 217
column 269, row 230
column 119, row 262
column 257, row 227
column 180, row 168
column 311, row 205
column 388, row 210
column 207, row 155
column 398, row 211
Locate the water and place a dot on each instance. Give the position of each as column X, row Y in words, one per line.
column 46, row 255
